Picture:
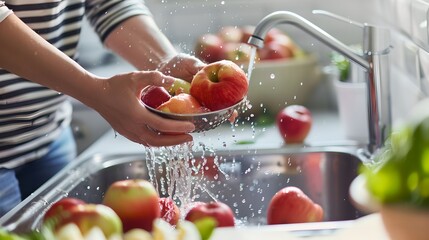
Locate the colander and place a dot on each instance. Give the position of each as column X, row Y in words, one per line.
column 206, row 121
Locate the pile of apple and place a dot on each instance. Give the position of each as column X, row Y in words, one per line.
column 230, row 43
column 216, row 86
column 132, row 210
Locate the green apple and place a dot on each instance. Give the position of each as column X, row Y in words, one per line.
column 179, row 86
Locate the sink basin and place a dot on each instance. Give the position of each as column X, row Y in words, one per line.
column 245, row 180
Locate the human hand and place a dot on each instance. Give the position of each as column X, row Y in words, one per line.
column 118, row 101
column 182, row 66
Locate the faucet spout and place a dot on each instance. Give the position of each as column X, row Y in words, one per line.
column 374, row 60
column 285, row 17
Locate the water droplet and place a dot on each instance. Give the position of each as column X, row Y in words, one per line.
column 272, row 76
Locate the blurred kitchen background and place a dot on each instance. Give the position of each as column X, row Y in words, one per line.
column 184, row 20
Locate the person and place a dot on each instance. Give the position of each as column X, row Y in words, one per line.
column 38, row 69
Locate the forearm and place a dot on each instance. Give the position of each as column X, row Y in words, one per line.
column 25, row 53
column 140, row 42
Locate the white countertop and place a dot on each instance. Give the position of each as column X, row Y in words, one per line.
column 325, row 131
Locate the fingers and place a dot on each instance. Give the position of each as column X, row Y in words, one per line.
column 145, row 78
column 156, row 139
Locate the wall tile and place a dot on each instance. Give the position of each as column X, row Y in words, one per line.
column 403, row 15
column 419, row 26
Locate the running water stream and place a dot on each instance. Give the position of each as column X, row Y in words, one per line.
column 177, row 173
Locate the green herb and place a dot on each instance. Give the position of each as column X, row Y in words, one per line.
column 342, row 64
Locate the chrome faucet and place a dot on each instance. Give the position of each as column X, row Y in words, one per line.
column 374, row 59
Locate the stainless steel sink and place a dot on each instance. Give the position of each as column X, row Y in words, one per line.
column 246, row 181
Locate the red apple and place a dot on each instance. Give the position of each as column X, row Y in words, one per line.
column 61, row 207
column 87, row 216
column 169, row 210
column 209, row 48
column 182, row 103
column 294, row 123
column 153, row 96
column 230, row 34
column 291, row 205
column 219, row 85
column 221, row 212
column 274, row 50
column 135, row 201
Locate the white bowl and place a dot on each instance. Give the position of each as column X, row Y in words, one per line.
column 275, row 84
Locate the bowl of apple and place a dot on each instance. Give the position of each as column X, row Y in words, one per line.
column 282, row 74
column 397, row 182
column 215, row 93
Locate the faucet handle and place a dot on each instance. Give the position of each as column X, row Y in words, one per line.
column 338, row 17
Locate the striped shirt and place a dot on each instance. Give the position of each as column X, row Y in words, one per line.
column 32, row 116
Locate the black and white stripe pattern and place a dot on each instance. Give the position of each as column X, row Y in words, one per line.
column 31, row 116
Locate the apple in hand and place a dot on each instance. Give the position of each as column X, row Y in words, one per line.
column 153, row 96
column 221, row 212
column 169, row 210
column 294, row 123
column 291, row 205
column 61, row 207
column 88, row 216
column 182, row 103
column 209, row 48
column 219, row 85
column 135, row 201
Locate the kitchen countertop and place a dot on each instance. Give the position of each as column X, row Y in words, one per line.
column 325, row 132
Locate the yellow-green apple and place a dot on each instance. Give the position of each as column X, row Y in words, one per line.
column 179, row 86
column 209, row 48
column 182, row 103
column 169, row 210
column 153, row 96
column 136, row 202
column 87, row 216
column 238, row 52
column 221, row 212
column 61, row 207
column 292, row 205
column 219, row 85
column 294, row 123
column 230, row 34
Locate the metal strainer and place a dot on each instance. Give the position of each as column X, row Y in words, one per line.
column 206, row 121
